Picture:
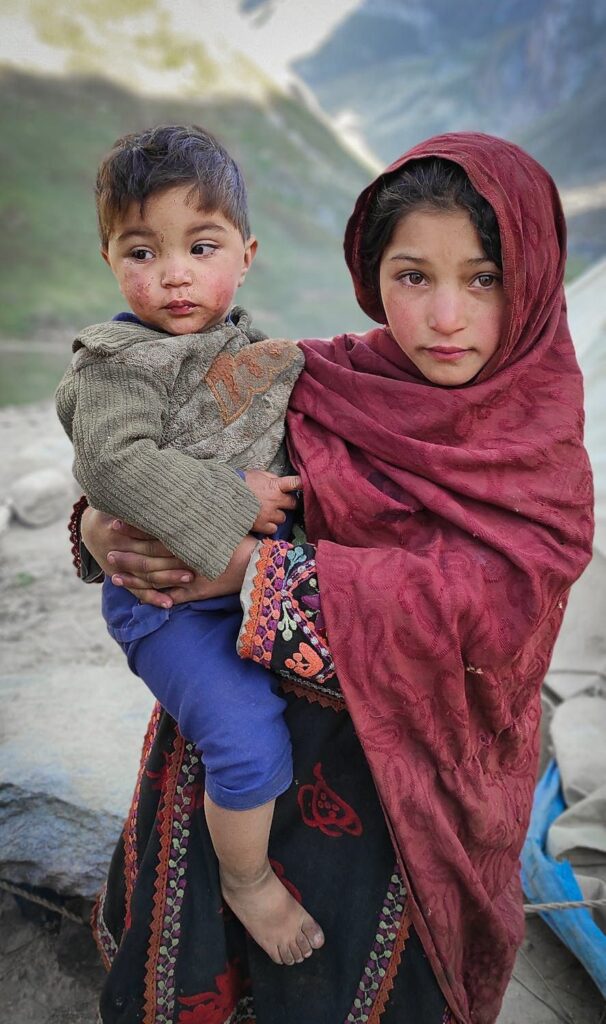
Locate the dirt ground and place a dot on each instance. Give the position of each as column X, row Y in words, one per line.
column 49, row 968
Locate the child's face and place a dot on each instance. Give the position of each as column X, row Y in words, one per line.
column 443, row 299
column 178, row 266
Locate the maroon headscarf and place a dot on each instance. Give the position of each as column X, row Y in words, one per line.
column 450, row 524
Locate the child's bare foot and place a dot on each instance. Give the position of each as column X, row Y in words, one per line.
column 272, row 917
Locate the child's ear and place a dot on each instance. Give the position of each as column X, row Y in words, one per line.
column 250, row 251
column 105, row 255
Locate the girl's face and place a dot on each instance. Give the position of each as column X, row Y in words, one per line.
column 442, row 297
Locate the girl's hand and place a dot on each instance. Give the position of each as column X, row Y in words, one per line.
column 230, row 582
column 132, row 558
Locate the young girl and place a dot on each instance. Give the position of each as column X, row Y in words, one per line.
column 448, row 507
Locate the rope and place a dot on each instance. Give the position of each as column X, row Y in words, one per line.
column 16, row 890
column 539, row 908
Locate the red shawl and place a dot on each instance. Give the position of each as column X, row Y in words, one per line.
column 450, row 525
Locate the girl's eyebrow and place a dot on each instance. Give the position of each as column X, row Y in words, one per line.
column 405, row 256
column 473, row 260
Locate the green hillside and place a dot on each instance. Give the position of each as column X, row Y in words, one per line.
column 53, row 131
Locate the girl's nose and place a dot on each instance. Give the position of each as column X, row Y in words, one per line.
column 446, row 311
column 176, row 272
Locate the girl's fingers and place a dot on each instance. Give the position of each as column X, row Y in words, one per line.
column 130, row 531
column 157, row 580
column 147, row 595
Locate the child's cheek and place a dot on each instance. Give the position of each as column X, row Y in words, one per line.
column 220, row 296
column 136, row 288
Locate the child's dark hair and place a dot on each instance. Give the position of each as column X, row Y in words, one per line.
column 433, row 183
column 141, row 164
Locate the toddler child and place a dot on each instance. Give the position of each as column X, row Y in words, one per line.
column 176, row 412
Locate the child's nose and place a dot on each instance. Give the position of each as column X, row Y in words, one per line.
column 447, row 311
column 176, row 272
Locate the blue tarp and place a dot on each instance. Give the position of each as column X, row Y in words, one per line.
column 546, row 880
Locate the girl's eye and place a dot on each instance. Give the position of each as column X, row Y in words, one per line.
column 412, row 277
column 141, row 255
column 202, row 248
column 487, row 280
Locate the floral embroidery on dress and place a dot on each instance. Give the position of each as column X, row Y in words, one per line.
column 382, row 966
column 178, row 805
column 283, row 627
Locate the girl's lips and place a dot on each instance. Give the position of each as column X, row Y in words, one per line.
column 447, row 354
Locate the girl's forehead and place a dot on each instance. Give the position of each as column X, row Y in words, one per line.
column 437, row 230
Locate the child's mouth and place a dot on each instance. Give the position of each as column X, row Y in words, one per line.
column 180, row 308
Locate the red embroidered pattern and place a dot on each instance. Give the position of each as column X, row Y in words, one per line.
column 380, row 971
column 322, row 808
column 212, row 1007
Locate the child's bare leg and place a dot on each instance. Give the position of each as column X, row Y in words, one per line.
column 274, row 919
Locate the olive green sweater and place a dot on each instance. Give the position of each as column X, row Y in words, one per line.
column 161, row 423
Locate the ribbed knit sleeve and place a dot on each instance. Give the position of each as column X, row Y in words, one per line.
column 200, row 509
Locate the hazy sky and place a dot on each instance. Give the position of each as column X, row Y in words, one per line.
column 288, row 29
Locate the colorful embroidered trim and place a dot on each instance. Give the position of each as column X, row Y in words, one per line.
column 103, row 937
column 131, row 854
column 174, row 822
column 314, row 694
column 259, row 631
column 382, row 966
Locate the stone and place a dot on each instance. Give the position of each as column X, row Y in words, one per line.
column 71, row 739
column 38, row 498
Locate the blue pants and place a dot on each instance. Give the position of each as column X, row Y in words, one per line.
column 228, row 707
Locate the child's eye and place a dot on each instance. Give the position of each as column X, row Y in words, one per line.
column 141, row 255
column 203, row 248
column 412, row 277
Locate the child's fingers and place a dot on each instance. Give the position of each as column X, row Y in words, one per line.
column 289, row 483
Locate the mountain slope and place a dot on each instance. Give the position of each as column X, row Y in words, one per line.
column 530, row 71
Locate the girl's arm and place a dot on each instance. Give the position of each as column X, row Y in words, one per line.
column 145, row 567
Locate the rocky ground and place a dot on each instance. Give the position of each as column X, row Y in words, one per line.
column 61, row 680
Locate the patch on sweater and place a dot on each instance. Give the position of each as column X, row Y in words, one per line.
column 235, row 380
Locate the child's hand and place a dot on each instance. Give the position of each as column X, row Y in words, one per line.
column 274, row 494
